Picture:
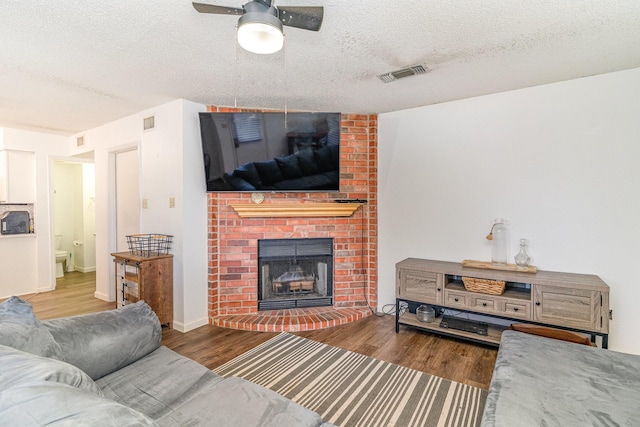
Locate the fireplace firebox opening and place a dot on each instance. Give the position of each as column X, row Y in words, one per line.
column 295, row 273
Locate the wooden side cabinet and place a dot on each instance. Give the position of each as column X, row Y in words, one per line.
column 578, row 302
column 146, row 278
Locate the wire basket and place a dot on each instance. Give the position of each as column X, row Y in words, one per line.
column 147, row 245
column 484, row 286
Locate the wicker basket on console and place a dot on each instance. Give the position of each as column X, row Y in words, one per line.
column 484, row 286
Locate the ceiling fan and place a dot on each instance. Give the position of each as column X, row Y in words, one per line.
column 260, row 23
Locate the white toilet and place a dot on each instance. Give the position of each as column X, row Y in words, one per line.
column 61, row 257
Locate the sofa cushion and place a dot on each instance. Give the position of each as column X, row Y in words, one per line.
column 307, row 162
column 334, row 150
column 158, row 383
column 324, row 159
column 539, row 381
column 289, row 167
column 321, row 181
column 236, row 183
column 20, row 329
column 20, row 367
column 101, row 343
column 269, row 172
column 249, row 173
column 238, row 402
column 53, row 404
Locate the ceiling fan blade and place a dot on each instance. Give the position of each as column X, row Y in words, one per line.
column 305, row 17
column 220, row 10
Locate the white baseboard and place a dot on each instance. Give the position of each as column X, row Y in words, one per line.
column 27, row 295
column 103, row 297
column 181, row 327
column 85, row 269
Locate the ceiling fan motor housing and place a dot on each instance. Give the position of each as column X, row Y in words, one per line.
column 259, row 29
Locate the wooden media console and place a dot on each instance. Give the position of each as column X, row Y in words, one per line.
column 576, row 302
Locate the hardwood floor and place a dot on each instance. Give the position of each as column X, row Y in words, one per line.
column 73, row 295
column 373, row 336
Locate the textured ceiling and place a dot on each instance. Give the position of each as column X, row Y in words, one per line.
column 68, row 66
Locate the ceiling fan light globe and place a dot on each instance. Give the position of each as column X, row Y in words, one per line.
column 260, row 34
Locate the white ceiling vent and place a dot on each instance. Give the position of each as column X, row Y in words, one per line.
column 405, row 72
column 149, row 122
column 80, row 141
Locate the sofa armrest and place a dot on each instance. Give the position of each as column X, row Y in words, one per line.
column 103, row 342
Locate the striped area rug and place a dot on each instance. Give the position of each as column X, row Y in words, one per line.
column 349, row 389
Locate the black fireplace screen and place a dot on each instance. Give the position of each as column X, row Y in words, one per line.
column 295, row 273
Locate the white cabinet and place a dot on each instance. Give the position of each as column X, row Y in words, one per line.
column 17, row 176
column 4, row 174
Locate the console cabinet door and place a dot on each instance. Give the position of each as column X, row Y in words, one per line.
column 420, row 286
column 569, row 307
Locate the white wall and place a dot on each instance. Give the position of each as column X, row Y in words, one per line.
column 23, row 253
column 170, row 167
column 559, row 161
column 195, row 225
column 88, row 236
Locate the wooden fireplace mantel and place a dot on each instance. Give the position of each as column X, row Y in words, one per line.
column 272, row 210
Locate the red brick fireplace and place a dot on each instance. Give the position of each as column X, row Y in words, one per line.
column 234, row 233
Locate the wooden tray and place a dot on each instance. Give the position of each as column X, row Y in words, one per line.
column 490, row 266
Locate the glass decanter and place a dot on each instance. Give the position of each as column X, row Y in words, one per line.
column 522, row 258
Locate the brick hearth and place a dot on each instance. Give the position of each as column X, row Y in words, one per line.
column 293, row 320
column 233, row 269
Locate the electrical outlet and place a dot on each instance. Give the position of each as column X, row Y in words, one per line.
column 172, row 202
column 145, row 203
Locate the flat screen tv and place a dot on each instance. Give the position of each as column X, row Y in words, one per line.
column 271, row 151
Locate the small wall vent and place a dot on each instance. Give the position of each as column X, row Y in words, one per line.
column 149, row 122
column 80, row 141
column 405, row 72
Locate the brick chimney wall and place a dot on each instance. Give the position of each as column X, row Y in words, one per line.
column 232, row 241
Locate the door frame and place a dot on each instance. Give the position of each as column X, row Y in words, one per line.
column 52, row 223
column 112, row 208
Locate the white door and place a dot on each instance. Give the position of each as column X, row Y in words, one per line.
column 127, row 197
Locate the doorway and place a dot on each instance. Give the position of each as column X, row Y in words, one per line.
column 74, row 216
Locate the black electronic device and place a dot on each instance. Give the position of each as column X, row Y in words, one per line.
column 271, row 152
column 350, row 201
column 467, row 325
column 14, row 222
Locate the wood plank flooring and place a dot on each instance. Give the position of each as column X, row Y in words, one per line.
column 73, row 295
column 373, row 336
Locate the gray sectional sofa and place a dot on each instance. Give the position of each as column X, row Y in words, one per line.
column 109, row 369
column 539, row 381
